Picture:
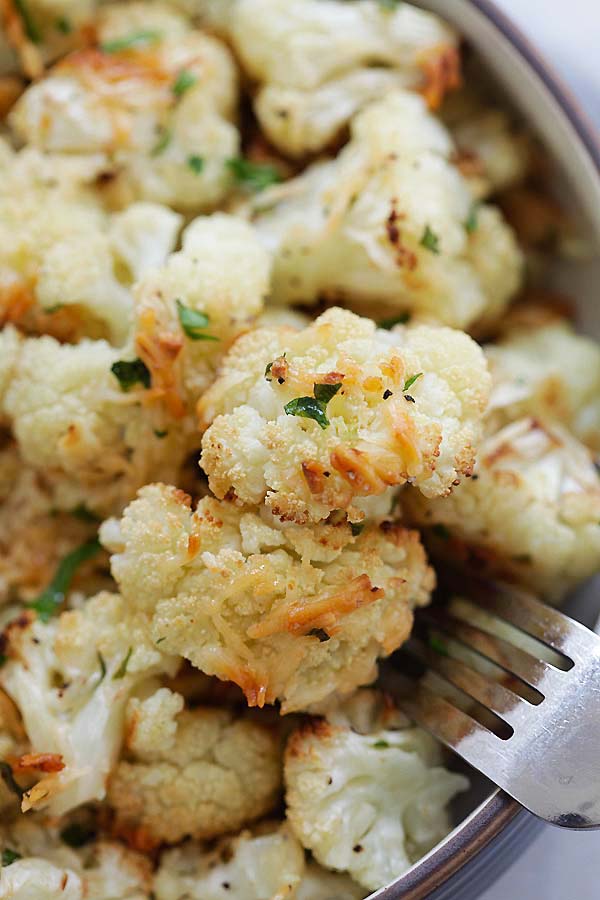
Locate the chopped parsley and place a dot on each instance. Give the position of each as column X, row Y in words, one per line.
column 438, row 645
column 6, row 774
column 193, row 323
column 131, row 41
column 389, row 4
column 313, row 407
column 184, row 81
column 48, row 602
column 29, row 26
column 122, row 670
column 102, row 665
column 82, row 512
column 319, row 633
column 164, row 139
column 9, row 857
column 402, row 319
column 63, row 25
column 160, row 640
column 410, row 381
column 195, row 163
column 430, row 240
column 357, row 528
column 380, row 745
column 77, row 835
column 472, row 219
column 270, row 365
column 159, row 433
column 252, row 176
column 440, row 530
column 131, row 372
column 3, row 659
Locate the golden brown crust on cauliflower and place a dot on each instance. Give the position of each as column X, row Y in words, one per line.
column 218, row 774
column 531, row 512
column 406, row 406
column 286, row 612
column 368, row 804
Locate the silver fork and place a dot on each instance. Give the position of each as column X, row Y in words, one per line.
column 533, row 729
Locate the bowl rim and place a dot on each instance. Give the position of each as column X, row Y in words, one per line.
column 493, row 815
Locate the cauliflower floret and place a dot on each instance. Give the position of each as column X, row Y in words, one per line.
column 48, row 869
column 549, row 373
column 390, row 221
column 13, row 744
column 286, row 612
column 70, row 679
column 265, row 865
column 156, row 98
column 319, row 884
column 368, row 804
column 318, row 63
column 531, row 511
column 188, row 312
column 405, row 405
column 34, row 536
column 96, row 442
column 61, row 253
column 218, row 774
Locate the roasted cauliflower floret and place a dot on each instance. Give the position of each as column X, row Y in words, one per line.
column 391, row 221
column 217, row 774
column 70, row 678
column 318, row 63
column 66, row 265
column 83, row 416
column 47, row 868
column 386, row 408
column 368, row 804
column 189, row 311
column 550, row 373
column 13, row 744
column 286, row 612
column 156, row 98
column 320, row 884
column 263, row 865
column 531, row 512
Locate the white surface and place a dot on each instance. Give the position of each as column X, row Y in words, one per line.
column 560, row 865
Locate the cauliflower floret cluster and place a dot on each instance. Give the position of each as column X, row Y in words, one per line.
column 531, row 511
column 386, row 407
column 369, row 803
column 45, row 867
column 189, row 311
column 70, row 677
column 197, row 773
column 391, row 221
column 318, row 63
column 66, row 265
column 83, row 415
column 156, row 98
column 549, row 372
column 286, row 612
column 264, row 865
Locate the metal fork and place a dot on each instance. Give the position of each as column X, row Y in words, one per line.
column 534, row 727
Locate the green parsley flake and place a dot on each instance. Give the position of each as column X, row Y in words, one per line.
column 3, row 659
column 122, row 670
column 48, row 602
column 357, row 528
column 195, row 163
column 193, row 323
column 313, row 407
column 472, row 222
column 184, row 81
column 430, row 240
column 131, row 41
column 410, row 381
column 380, row 745
column 440, row 531
column 131, row 372
column 162, row 143
column 75, row 835
column 63, row 25
column 9, row 857
column 394, row 320
column 252, row 176
column 389, row 5
column 82, row 512
column 102, row 665
column 29, row 26
column 160, row 434
column 438, row 645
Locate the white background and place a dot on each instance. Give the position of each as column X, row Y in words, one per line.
column 560, row 865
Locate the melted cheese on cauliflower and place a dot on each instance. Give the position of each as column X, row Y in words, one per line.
column 156, row 98
column 286, row 612
column 388, row 222
column 405, row 405
column 531, row 511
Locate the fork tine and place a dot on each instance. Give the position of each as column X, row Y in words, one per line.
column 484, row 690
column 521, row 609
column 510, row 658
